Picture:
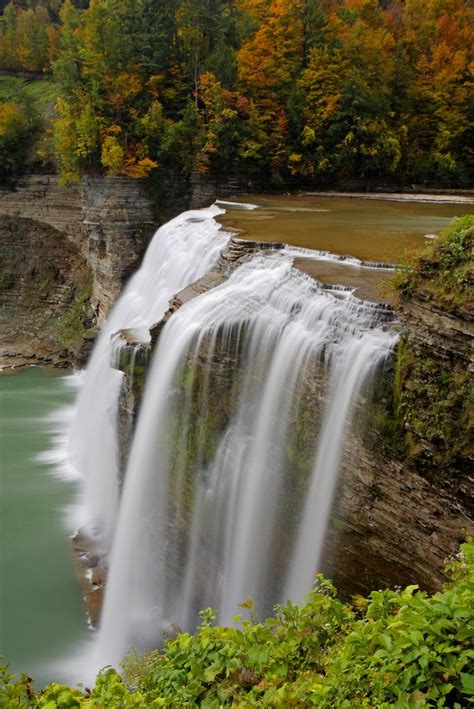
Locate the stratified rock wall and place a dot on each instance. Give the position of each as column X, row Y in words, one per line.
column 44, row 290
column 105, row 223
column 41, row 199
column 400, row 514
column 444, row 335
column 390, row 526
column 436, row 407
column 117, row 224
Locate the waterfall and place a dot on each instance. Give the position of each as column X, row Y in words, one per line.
column 181, row 251
column 238, row 443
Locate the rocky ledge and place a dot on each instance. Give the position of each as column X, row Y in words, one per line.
column 91, row 572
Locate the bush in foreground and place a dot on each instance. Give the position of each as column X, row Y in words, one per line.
column 403, row 649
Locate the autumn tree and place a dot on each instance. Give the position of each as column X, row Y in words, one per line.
column 28, row 36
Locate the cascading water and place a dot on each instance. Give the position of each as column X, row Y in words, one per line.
column 181, row 251
column 236, row 452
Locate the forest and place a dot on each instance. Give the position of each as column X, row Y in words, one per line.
column 291, row 90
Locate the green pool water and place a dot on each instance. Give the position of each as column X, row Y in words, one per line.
column 41, row 608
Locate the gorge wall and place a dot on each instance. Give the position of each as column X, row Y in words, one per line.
column 407, row 489
column 100, row 227
column 402, row 506
column 67, row 247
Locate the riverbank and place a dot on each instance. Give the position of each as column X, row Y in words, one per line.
column 427, row 196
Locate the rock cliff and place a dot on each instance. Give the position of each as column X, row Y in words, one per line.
column 99, row 227
column 407, row 490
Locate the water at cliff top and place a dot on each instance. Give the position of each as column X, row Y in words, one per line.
column 370, row 230
column 181, row 251
column 236, row 452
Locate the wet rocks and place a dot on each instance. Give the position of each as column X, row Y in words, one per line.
column 91, row 572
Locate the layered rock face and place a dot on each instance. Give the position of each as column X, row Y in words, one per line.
column 437, row 364
column 390, row 526
column 106, row 224
column 406, row 499
column 117, row 225
column 45, row 286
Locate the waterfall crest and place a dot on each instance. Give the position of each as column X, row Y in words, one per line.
column 181, row 251
column 236, row 452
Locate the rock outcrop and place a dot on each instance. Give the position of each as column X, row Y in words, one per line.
column 436, row 366
column 117, row 225
column 103, row 224
column 390, row 526
column 45, row 287
column 406, row 498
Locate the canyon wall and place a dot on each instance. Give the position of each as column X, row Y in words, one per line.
column 406, row 497
column 402, row 506
column 100, row 227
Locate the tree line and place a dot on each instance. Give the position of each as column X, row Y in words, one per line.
column 313, row 89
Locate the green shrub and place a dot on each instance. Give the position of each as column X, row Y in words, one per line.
column 443, row 273
column 403, row 649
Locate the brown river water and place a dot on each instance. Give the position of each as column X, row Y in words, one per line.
column 370, row 229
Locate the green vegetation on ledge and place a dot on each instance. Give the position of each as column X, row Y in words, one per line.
column 75, row 322
column 399, row 649
column 433, row 408
column 444, row 272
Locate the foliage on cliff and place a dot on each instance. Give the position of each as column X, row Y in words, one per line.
column 434, row 396
column 443, row 273
column 435, row 408
column 401, row 649
column 315, row 89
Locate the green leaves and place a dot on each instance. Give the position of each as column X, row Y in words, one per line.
column 404, row 650
column 467, row 682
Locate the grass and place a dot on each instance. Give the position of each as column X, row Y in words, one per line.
column 443, row 273
column 17, row 89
